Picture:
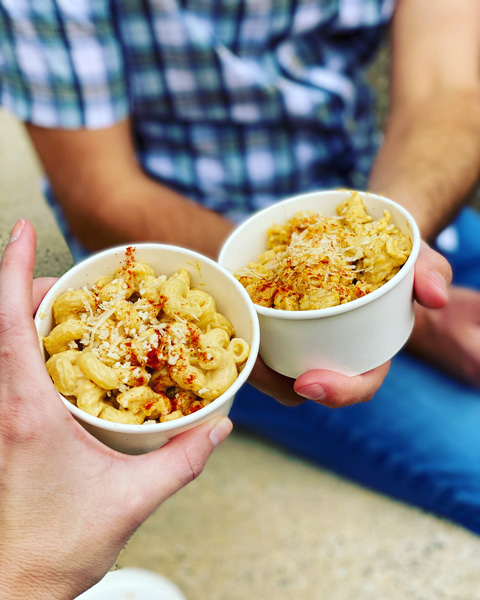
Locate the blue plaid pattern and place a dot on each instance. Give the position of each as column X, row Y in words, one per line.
column 235, row 103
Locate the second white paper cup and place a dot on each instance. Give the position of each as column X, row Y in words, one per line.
column 351, row 338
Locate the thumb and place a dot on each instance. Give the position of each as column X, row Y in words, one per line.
column 16, row 280
column 433, row 275
column 160, row 474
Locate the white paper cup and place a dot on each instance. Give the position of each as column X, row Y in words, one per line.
column 351, row 338
column 232, row 301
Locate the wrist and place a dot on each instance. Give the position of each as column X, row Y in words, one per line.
column 40, row 579
column 143, row 209
column 21, row 583
column 413, row 202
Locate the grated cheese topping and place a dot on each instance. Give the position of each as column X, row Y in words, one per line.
column 313, row 261
column 141, row 346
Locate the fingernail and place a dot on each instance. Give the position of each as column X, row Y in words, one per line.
column 312, row 392
column 439, row 283
column 17, row 231
column 220, row 431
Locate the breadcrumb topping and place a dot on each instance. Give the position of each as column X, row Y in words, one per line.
column 313, row 261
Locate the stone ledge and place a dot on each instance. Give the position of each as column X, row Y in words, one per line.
column 21, row 198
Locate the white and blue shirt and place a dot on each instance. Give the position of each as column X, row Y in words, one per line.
column 234, row 103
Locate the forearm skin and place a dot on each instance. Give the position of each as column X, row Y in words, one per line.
column 144, row 210
column 430, row 158
column 108, row 198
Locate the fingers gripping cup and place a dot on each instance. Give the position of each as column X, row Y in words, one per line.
column 360, row 312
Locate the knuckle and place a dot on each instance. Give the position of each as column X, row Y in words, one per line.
column 191, row 464
column 368, row 397
column 19, row 426
column 444, row 268
column 336, row 402
column 7, row 321
column 339, row 401
column 434, row 260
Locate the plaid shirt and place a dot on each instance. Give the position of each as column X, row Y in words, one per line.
column 234, row 103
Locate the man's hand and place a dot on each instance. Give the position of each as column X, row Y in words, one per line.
column 68, row 503
column 450, row 337
column 432, row 276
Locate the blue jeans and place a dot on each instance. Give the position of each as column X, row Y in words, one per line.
column 418, row 440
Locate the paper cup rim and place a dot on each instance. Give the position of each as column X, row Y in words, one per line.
column 320, row 313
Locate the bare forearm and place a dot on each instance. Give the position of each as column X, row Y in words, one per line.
column 430, row 158
column 108, row 199
column 25, row 578
column 144, row 210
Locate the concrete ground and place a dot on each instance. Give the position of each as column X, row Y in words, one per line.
column 260, row 523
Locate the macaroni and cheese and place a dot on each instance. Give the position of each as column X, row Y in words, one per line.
column 313, row 261
column 140, row 348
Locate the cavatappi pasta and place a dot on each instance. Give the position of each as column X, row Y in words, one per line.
column 313, row 261
column 140, row 348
